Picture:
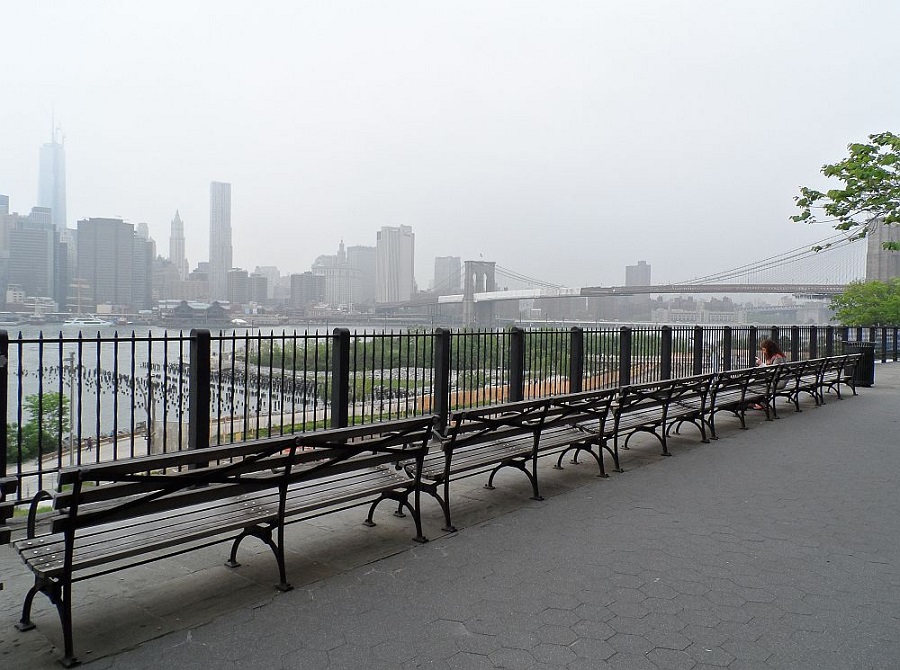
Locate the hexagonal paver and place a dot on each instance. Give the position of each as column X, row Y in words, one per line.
column 556, row 635
column 630, row 644
column 512, row 658
column 671, row 659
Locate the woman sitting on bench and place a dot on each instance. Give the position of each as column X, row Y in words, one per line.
column 771, row 355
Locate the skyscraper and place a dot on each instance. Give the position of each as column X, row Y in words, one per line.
column 52, row 180
column 637, row 275
column 106, row 263
column 219, row 239
column 394, row 263
column 447, row 274
column 176, row 247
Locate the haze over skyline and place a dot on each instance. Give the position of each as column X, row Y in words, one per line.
column 562, row 140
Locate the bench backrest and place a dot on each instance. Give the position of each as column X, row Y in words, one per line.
column 8, row 486
column 585, row 407
column 743, row 383
column 106, row 492
column 488, row 424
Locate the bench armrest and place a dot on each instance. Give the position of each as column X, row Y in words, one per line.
column 39, row 497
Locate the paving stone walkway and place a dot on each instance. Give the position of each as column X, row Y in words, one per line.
column 775, row 547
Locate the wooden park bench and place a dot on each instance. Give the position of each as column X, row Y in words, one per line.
column 111, row 516
column 658, row 407
column 736, row 391
column 838, row 371
column 482, row 440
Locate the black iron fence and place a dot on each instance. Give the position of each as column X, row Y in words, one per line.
column 74, row 400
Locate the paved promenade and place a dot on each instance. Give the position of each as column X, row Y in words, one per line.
column 775, row 547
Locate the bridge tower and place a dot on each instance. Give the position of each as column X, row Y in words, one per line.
column 479, row 277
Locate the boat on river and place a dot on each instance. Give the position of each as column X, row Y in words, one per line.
column 87, row 321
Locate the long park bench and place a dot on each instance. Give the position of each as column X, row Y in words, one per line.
column 515, row 435
column 837, row 371
column 112, row 516
column 736, row 391
column 659, row 407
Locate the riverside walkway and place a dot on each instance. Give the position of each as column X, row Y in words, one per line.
column 775, row 547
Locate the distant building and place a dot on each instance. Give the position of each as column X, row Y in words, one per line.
column 361, row 260
column 881, row 264
column 144, row 254
column 4, row 204
column 105, row 264
column 238, row 287
column 394, row 264
column 33, row 251
column 335, row 271
column 306, row 289
column 272, row 275
column 638, row 275
column 220, row 251
column 52, row 180
column 447, row 275
column 259, row 288
column 177, row 255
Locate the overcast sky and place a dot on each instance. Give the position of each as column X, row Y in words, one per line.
column 563, row 140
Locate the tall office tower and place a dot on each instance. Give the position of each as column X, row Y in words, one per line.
column 52, row 180
column 394, row 264
column 447, row 275
column 361, row 260
column 177, row 255
column 273, row 277
column 4, row 204
column 307, row 289
column 881, row 264
column 259, row 288
column 637, row 275
column 238, row 286
column 144, row 253
column 336, row 273
column 219, row 239
column 33, row 250
column 105, row 263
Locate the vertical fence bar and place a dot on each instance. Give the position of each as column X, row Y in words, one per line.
column 752, row 345
column 340, row 377
column 576, row 359
column 697, row 353
column 4, row 397
column 516, row 364
column 441, row 392
column 198, row 428
column 665, row 353
column 813, row 342
column 726, row 348
column 795, row 343
column 884, row 344
column 624, row 356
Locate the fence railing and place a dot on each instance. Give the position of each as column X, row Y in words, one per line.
column 76, row 400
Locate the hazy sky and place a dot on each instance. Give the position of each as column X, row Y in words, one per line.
column 563, row 140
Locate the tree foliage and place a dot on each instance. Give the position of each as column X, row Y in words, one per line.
column 872, row 303
column 43, row 431
column 871, row 189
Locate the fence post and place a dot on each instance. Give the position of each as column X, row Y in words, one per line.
column 516, row 364
column 624, row 356
column 198, row 391
column 442, row 377
column 4, row 398
column 795, row 343
column 340, row 377
column 829, row 340
column 895, row 343
column 845, row 337
column 813, row 342
column 665, row 353
column 752, row 346
column 726, row 348
column 576, row 359
column 697, row 365
column 775, row 335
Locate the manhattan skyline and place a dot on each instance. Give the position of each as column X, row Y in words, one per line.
column 564, row 142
